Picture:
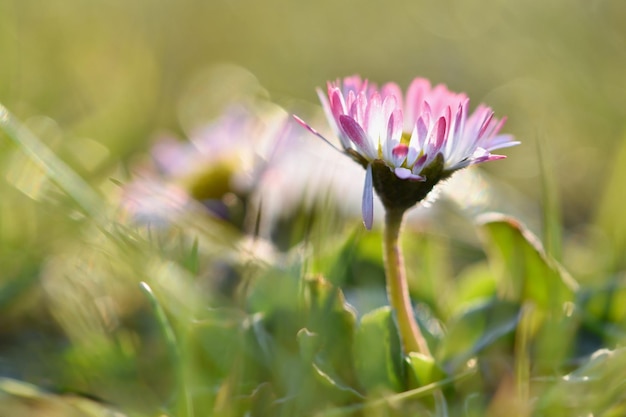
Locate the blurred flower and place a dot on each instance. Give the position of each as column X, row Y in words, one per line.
column 226, row 155
column 240, row 167
column 219, row 167
column 408, row 144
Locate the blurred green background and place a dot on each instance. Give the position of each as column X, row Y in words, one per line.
column 115, row 71
column 98, row 79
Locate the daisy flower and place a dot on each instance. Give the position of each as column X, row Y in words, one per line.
column 408, row 142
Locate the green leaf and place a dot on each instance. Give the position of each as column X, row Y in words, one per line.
column 328, row 378
column 328, row 345
column 378, row 353
column 332, row 319
column 523, row 270
column 424, row 369
column 311, row 351
column 325, row 306
column 309, row 344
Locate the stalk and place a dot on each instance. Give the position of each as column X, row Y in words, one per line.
column 397, row 286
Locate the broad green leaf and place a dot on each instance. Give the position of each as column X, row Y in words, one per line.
column 523, row 270
column 378, row 353
column 331, row 322
column 323, row 301
column 309, row 344
column 320, row 296
column 328, row 315
column 312, row 352
column 328, row 378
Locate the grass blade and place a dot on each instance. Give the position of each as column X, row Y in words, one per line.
column 61, row 174
column 186, row 406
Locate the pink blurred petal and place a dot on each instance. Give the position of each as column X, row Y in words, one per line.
column 393, row 89
column 415, row 96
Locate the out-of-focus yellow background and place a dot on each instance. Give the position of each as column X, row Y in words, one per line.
column 115, row 71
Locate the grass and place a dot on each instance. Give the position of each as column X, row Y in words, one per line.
column 183, row 320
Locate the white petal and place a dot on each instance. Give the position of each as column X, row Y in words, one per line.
column 368, row 199
column 403, row 173
column 407, row 174
column 411, row 157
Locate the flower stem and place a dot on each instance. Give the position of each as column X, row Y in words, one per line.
column 397, row 286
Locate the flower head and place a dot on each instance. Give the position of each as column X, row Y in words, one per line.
column 408, row 143
column 217, row 169
column 225, row 155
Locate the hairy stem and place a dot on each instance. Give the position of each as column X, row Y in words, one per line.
column 397, row 286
